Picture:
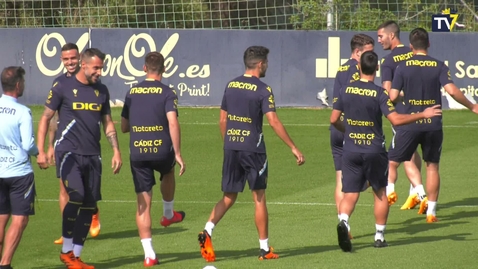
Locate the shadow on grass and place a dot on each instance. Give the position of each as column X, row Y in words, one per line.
column 470, row 202
column 134, row 233
column 419, row 239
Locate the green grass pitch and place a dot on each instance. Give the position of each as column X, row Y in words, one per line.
column 302, row 212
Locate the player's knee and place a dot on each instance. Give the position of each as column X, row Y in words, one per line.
column 230, row 197
column 433, row 166
column 20, row 221
column 168, row 177
column 63, row 192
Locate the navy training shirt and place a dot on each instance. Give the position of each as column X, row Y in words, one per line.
column 363, row 103
column 389, row 65
column 80, row 109
column 390, row 62
column 246, row 99
column 146, row 107
column 347, row 73
column 421, row 78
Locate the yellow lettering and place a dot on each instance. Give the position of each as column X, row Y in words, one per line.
column 343, row 68
column 362, row 92
column 86, row 106
column 233, row 131
column 237, row 135
column 143, row 129
column 424, row 63
column 360, row 123
column 415, row 102
column 402, row 57
column 242, row 85
column 143, row 143
column 146, row 90
column 362, row 138
column 238, row 118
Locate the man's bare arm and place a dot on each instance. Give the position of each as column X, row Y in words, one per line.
column 222, row 122
column 174, row 131
column 279, row 129
column 43, row 128
column 124, row 125
column 53, row 127
column 110, row 132
column 387, row 85
column 456, row 94
column 335, row 120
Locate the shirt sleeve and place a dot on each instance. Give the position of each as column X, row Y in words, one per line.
column 26, row 133
column 338, row 102
column 386, row 105
column 353, row 74
column 397, row 82
column 386, row 71
column 268, row 103
column 337, row 85
column 106, row 109
column 445, row 75
column 224, row 102
column 55, row 97
column 171, row 104
column 126, row 105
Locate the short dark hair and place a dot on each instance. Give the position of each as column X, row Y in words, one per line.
column 11, row 76
column 392, row 27
column 70, row 46
column 368, row 62
column 419, row 39
column 154, row 62
column 254, row 55
column 360, row 40
column 92, row 52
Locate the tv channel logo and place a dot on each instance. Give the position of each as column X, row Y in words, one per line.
column 444, row 22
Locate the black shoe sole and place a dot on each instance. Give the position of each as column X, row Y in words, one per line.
column 380, row 244
column 343, row 236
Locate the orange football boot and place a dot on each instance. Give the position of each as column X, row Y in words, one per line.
column 392, row 198
column 95, row 225
column 205, row 242
column 268, row 255
column 59, row 241
column 431, row 219
column 423, row 206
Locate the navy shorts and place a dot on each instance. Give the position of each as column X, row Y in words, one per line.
column 143, row 172
column 81, row 176
column 360, row 168
column 405, row 143
column 336, row 144
column 241, row 166
column 17, row 195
